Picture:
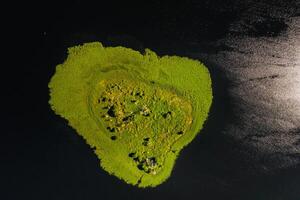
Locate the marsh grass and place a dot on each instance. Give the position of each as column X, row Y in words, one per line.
column 136, row 111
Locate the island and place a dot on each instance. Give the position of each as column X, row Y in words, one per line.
column 136, row 111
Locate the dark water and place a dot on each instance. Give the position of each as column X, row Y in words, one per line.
column 250, row 145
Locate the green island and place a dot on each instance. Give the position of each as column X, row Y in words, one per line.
column 136, row 111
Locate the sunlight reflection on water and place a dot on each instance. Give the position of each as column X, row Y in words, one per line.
column 297, row 81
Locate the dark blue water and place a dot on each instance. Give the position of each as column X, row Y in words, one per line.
column 249, row 147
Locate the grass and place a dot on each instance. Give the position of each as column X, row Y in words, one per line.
column 136, row 111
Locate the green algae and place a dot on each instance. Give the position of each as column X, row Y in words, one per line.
column 136, row 111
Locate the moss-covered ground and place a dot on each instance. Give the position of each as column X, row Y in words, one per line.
column 136, row 111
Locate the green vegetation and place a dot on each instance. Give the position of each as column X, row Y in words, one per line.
column 136, row 111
